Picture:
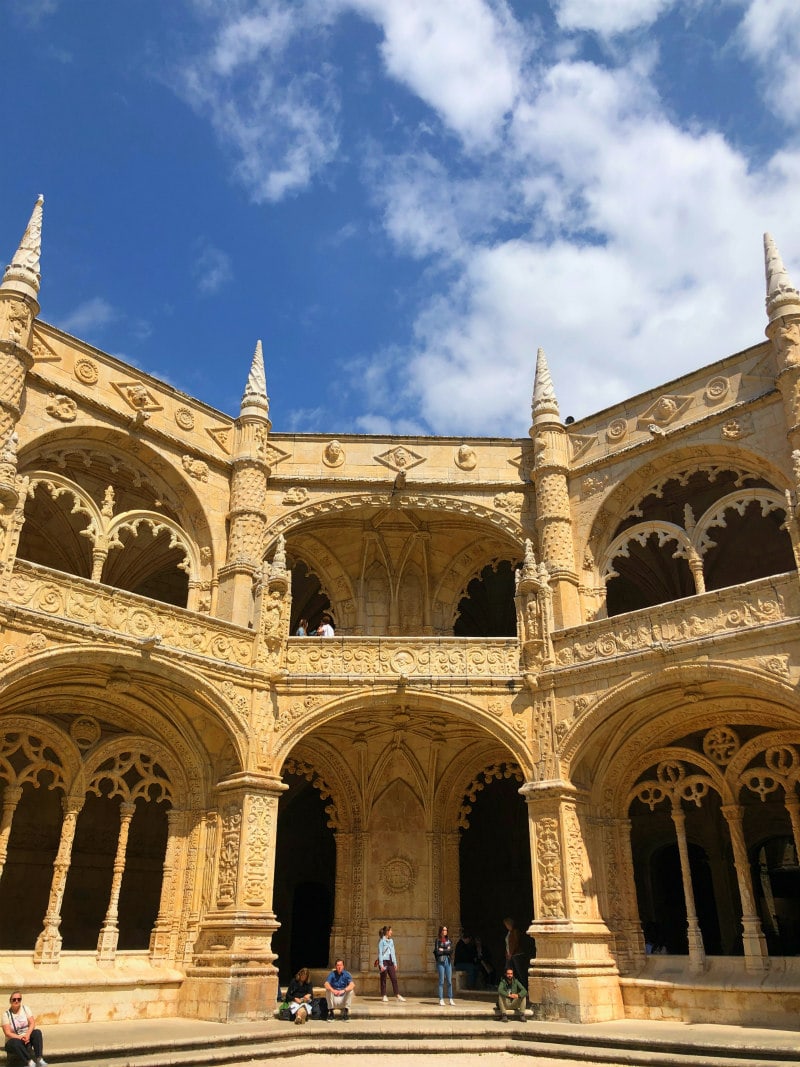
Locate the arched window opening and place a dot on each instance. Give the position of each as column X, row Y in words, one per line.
column 150, row 565
column 52, row 534
column 495, row 868
column 305, row 865
column 488, row 609
column 648, row 575
column 648, row 572
column 140, row 892
column 667, row 501
column 747, row 547
column 776, row 878
column 91, row 870
column 309, row 601
column 28, row 870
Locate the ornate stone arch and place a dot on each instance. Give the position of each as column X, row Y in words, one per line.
column 30, row 738
column 330, row 776
column 137, row 767
column 333, row 578
column 464, row 567
column 663, row 531
column 500, row 520
column 119, row 693
column 651, row 701
column 769, row 499
column 130, row 521
column 137, row 461
column 683, row 462
column 380, row 696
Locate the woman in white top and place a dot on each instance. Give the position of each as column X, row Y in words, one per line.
column 387, row 962
column 23, row 1041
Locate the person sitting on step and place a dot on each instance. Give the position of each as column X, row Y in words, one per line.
column 511, row 996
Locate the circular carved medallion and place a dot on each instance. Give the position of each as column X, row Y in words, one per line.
column 86, row 371
column 398, row 875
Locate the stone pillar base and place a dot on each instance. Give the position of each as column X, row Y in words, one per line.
column 227, row 995
column 574, row 977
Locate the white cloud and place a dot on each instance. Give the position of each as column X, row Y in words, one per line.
column 770, row 32
column 608, row 17
column 279, row 122
column 212, row 268
column 91, row 315
column 642, row 258
column 462, row 57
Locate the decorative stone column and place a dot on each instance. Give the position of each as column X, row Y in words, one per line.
column 574, row 975
column 232, row 976
column 48, row 943
column 162, row 936
column 12, row 794
column 247, row 515
column 109, row 931
column 551, row 467
column 756, row 957
column 697, row 952
column 619, row 893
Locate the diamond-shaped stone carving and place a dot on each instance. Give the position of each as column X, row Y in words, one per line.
column 138, row 396
column 400, row 458
column 664, row 411
column 221, row 436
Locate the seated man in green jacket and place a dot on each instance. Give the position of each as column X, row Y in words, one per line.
column 511, row 996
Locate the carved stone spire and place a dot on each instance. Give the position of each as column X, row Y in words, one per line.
column 782, row 297
column 255, row 400
column 544, row 395
column 23, row 274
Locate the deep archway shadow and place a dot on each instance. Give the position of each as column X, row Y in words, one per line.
column 495, row 865
column 305, row 866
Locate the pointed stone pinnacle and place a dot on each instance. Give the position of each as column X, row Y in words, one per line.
column 23, row 272
column 782, row 297
column 255, row 392
column 544, row 394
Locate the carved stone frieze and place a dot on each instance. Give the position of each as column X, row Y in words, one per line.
column 724, row 612
column 62, row 596
column 386, row 656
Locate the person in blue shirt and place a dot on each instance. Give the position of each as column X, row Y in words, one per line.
column 387, row 962
column 339, row 988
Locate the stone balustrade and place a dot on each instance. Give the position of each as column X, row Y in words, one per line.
column 413, row 657
column 724, row 611
column 67, row 598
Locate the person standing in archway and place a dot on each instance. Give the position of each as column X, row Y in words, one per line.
column 443, row 954
column 387, row 962
column 514, row 957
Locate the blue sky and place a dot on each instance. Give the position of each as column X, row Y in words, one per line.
column 405, row 198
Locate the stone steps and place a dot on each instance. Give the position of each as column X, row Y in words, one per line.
column 378, row 1035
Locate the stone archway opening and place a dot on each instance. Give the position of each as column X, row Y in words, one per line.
column 487, row 609
column 305, row 862
column 379, row 797
column 495, row 865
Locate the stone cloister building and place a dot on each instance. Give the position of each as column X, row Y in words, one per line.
column 563, row 686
